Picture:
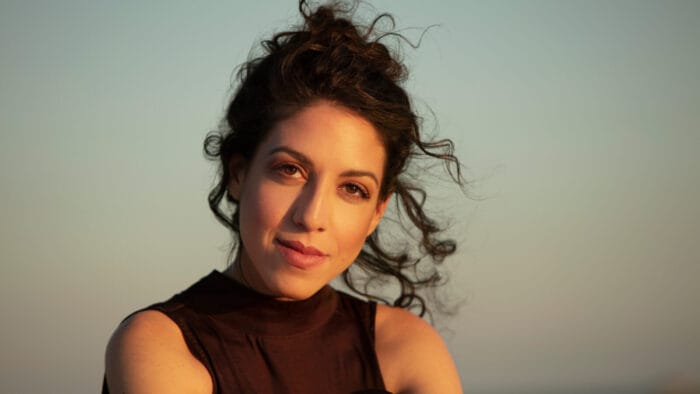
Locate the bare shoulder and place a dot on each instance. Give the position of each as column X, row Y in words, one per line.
column 412, row 356
column 148, row 354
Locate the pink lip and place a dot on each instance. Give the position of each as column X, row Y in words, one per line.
column 299, row 247
column 300, row 256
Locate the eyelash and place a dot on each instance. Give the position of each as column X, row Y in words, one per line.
column 352, row 189
column 283, row 169
column 358, row 192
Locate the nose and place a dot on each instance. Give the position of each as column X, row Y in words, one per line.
column 311, row 208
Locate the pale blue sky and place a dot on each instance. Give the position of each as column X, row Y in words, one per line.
column 579, row 121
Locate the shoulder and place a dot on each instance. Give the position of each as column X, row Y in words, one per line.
column 147, row 353
column 412, row 356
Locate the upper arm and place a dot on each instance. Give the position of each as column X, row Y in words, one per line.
column 148, row 354
column 412, row 356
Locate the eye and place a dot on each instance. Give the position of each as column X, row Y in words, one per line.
column 356, row 191
column 288, row 170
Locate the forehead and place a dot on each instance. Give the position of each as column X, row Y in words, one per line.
column 330, row 135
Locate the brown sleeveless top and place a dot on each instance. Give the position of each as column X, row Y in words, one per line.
column 251, row 343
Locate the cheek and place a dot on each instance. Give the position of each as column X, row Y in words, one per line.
column 353, row 232
column 262, row 209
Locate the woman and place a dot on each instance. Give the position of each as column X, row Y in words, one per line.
column 317, row 136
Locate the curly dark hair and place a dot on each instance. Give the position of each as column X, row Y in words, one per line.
column 329, row 57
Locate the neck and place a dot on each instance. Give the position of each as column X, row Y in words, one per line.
column 237, row 272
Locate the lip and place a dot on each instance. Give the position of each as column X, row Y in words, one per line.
column 299, row 255
column 300, row 247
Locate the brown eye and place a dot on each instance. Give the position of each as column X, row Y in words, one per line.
column 356, row 191
column 288, row 170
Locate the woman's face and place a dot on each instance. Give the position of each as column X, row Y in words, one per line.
column 308, row 199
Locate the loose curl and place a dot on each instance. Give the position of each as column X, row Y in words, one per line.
column 329, row 57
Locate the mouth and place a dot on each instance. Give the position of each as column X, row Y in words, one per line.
column 298, row 255
column 300, row 247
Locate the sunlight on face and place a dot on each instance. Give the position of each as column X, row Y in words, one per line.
column 308, row 199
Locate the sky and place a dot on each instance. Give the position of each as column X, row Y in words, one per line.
column 578, row 123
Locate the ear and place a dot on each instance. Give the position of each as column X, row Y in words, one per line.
column 378, row 213
column 236, row 170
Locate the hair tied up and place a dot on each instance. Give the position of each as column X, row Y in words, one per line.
column 330, row 57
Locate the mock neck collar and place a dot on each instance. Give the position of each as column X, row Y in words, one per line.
column 257, row 313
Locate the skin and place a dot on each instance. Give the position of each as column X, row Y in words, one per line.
column 315, row 181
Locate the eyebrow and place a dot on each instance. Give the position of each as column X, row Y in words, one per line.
column 307, row 162
column 355, row 173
